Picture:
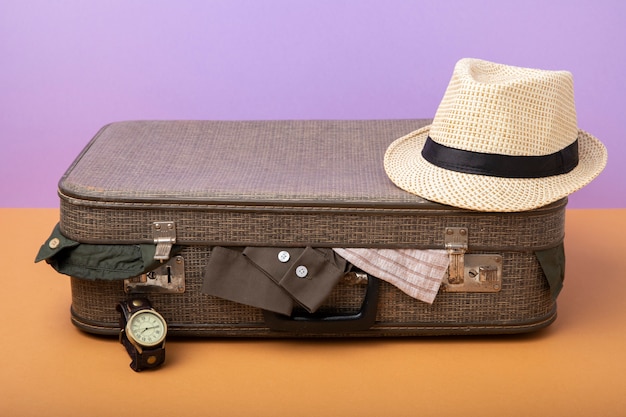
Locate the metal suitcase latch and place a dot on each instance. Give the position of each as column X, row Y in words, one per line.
column 470, row 272
column 167, row 278
column 164, row 234
column 456, row 244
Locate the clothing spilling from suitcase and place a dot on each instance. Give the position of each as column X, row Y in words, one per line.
column 329, row 228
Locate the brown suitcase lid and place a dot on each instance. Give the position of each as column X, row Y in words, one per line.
column 328, row 163
column 269, row 183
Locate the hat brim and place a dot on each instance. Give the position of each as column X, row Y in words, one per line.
column 406, row 167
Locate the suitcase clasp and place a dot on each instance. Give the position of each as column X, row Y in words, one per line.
column 164, row 234
column 470, row 272
column 456, row 243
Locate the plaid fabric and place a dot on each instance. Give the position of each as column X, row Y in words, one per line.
column 416, row 272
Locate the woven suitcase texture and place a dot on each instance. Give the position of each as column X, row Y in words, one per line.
column 286, row 226
column 524, row 303
column 288, row 183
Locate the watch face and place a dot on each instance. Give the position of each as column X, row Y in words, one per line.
column 147, row 328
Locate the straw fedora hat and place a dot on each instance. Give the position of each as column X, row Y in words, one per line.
column 503, row 139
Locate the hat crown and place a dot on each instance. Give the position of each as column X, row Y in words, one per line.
column 499, row 109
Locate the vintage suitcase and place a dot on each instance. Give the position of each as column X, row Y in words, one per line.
column 186, row 187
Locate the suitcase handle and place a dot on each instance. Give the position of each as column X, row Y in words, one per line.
column 319, row 323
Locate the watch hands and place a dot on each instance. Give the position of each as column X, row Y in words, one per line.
column 148, row 328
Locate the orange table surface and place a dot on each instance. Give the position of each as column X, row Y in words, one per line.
column 575, row 367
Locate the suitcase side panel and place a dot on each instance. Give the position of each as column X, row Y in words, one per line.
column 317, row 227
column 523, row 304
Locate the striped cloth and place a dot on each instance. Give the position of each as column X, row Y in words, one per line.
column 416, row 272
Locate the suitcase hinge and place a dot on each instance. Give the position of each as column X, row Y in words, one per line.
column 164, row 234
column 470, row 272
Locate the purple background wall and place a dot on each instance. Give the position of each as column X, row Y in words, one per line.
column 69, row 67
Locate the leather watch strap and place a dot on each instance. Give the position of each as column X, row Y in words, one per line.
column 146, row 359
column 141, row 357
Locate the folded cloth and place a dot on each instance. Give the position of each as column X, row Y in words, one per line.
column 98, row 262
column 273, row 278
column 416, row 272
column 307, row 274
column 231, row 276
